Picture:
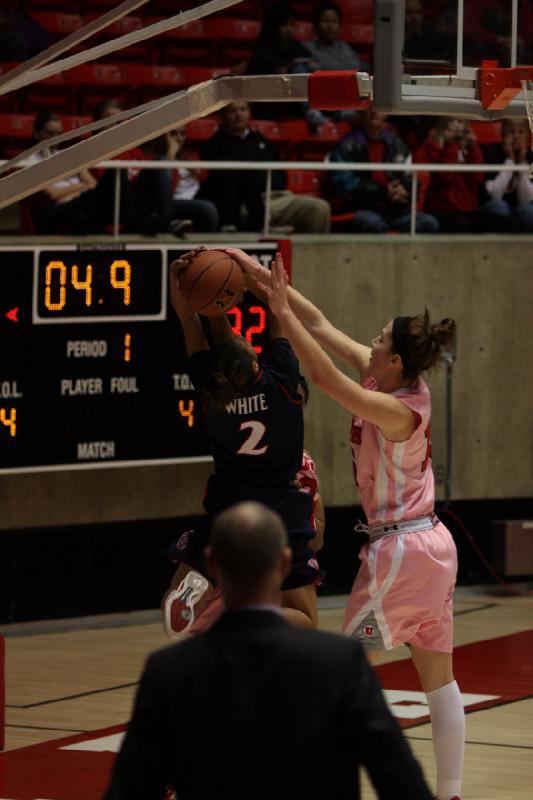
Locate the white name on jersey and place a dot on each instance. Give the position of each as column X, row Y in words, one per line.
column 247, row 405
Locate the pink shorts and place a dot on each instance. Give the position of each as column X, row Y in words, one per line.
column 403, row 591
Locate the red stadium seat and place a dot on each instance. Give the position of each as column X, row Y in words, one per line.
column 16, row 126
column 304, row 181
column 487, row 132
column 358, row 35
column 361, row 11
column 235, row 38
column 57, row 22
column 304, row 31
column 315, row 146
column 201, row 129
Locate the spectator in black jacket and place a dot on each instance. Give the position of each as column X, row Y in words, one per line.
column 277, row 52
column 236, row 191
column 381, row 200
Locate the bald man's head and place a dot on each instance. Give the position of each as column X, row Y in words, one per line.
column 247, row 544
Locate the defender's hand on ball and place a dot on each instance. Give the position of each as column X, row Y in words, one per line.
column 276, row 293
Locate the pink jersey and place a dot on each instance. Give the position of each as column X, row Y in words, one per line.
column 395, row 479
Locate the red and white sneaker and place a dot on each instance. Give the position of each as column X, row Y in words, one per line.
column 178, row 606
column 208, row 615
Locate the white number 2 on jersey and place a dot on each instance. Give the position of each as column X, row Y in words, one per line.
column 249, row 446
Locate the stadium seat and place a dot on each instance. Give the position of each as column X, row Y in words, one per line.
column 360, row 11
column 360, row 36
column 201, row 129
column 487, row 132
column 16, row 126
column 304, row 31
column 190, row 43
column 235, row 38
column 57, row 22
column 315, row 146
column 304, row 181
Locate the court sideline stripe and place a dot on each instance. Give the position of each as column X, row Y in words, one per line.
column 410, row 726
column 483, row 744
column 76, row 696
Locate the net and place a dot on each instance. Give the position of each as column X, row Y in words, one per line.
column 527, row 88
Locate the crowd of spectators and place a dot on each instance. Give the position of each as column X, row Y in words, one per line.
column 176, row 201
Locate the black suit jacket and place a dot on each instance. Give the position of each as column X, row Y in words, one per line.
column 256, row 709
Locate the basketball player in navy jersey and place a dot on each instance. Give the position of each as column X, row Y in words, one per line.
column 253, row 418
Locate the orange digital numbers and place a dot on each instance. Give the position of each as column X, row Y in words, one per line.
column 11, row 421
column 59, row 270
column 127, row 347
column 187, row 411
column 121, row 278
column 86, row 284
column 81, row 278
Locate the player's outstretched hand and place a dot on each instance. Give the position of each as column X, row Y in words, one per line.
column 277, row 291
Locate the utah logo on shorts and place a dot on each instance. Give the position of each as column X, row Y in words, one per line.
column 367, row 630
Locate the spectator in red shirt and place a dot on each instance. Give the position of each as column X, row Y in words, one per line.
column 452, row 197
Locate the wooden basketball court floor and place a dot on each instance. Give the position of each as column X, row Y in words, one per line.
column 74, row 681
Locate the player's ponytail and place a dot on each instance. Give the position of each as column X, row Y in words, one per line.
column 420, row 343
column 232, row 370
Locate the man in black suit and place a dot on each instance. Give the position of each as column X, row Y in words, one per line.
column 256, row 709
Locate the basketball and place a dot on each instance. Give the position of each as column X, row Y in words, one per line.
column 212, row 283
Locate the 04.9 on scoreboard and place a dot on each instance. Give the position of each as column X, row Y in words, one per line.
column 93, row 368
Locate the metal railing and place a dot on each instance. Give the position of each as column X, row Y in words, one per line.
column 413, row 169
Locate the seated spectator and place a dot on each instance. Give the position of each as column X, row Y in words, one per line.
column 76, row 205
column 232, row 191
column 177, row 188
column 277, row 52
column 329, row 52
column 148, row 192
column 452, row 197
column 381, row 200
column 508, row 205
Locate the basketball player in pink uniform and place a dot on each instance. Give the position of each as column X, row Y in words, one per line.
column 403, row 591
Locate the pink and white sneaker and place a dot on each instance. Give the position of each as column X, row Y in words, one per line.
column 178, row 605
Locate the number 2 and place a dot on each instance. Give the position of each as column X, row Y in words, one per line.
column 249, row 446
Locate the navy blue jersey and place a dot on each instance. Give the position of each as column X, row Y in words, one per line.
column 257, row 441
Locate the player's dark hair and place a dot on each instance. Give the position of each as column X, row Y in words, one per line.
column 231, row 372
column 321, row 8
column 247, row 540
column 420, row 343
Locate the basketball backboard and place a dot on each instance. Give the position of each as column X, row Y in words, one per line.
column 429, row 54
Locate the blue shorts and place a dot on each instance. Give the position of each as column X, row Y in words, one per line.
column 294, row 507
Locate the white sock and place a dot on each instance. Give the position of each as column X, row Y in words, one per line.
column 448, row 727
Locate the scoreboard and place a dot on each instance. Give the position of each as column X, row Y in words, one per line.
column 93, row 368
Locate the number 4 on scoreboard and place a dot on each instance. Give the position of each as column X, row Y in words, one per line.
column 10, row 421
column 187, row 412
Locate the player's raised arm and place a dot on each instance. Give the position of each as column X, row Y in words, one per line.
column 195, row 339
column 353, row 353
column 393, row 417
